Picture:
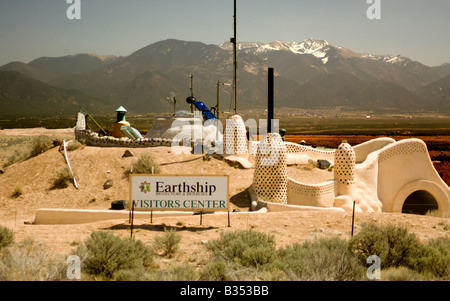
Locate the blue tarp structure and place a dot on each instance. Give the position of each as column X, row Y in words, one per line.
column 207, row 114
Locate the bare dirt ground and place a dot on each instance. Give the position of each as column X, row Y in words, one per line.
column 95, row 165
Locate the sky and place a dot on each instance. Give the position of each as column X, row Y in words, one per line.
column 29, row 29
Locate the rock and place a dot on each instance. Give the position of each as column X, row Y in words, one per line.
column 323, row 164
column 108, row 184
column 127, row 153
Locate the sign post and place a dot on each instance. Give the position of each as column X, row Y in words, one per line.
column 353, row 217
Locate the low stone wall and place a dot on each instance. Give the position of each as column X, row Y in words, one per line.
column 92, row 139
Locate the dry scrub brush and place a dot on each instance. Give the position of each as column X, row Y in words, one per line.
column 168, row 243
column 38, row 145
column 397, row 247
column 74, row 145
column 63, row 178
column 248, row 248
column 249, row 255
column 145, row 164
column 18, row 191
column 6, row 237
column 29, row 260
column 240, row 255
column 320, row 260
column 104, row 255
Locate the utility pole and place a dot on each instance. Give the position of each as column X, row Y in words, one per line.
column 219, row 83
column 218, row 98
column 191, row 84
column 191, row 87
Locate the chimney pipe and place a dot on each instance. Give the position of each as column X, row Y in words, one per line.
column 270, row 104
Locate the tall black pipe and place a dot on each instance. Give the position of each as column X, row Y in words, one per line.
column 234, row 61
column 270, row 101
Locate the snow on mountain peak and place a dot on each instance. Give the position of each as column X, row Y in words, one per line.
column 315, row 47
column 392, row 59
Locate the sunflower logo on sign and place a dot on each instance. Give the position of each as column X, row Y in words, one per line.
column 145, row 187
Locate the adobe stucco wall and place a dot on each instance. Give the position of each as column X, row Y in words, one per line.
column 406, row 167
column 79, row 216
column 270, row 176
column 377, row 175
column 320, row 195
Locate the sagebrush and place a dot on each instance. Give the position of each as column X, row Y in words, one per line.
column 168, row 243
column 248, row 248
column 393, row 244
column 242, row 255
column 104, row 254
column 6, row 237
column 320, row 260
column 30, row 260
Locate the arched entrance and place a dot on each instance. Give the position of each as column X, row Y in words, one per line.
column 425, row 192
column 420, row 202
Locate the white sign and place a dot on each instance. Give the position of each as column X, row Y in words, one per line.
column 180, row 192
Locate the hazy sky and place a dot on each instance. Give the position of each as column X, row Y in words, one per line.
column 418, row 29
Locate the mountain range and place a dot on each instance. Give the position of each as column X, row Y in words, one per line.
column 310, row 74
